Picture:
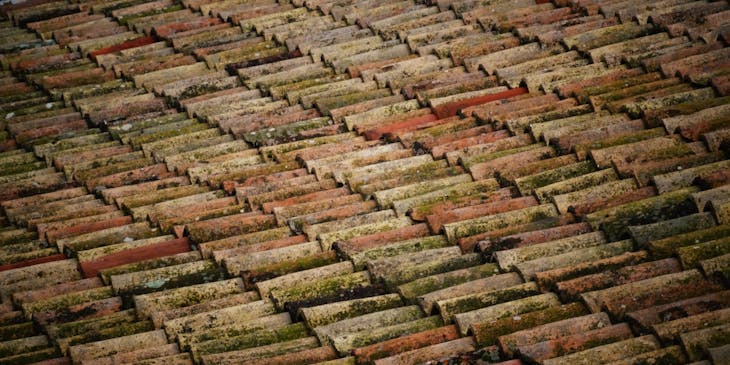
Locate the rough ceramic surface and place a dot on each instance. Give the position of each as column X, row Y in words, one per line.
column 364, row 181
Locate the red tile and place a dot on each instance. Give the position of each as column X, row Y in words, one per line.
column 571, row 289
column 366, row 242
column 52, row 291
column 110, row 195
column 153, row 172
column 645, row 318
column 703, row 73
column 232, row 246
column 644, row 172
column 76, row 78
column 597, row 203
column 468, row 244
column 332, row 214
column 362, row 106
column 683, row 65
column 573, row 343
column 655, row 63
column 484, row 170
column 547, row 279
column 167, row 30
column 571, row 88
column 232, row 225
column 421, row 213
column 400, row 127
column 44, row 198
column 318, row 195
column 523, row 239
column 16, row 89
column 450, row 109
column 694, row 14
column 53, row 235
column 436, row 221
column 32, row 262
column 162, row 249
column 142, row 41
column 8, row 145
column 440, row 150
column 402, row 344
column 485, row 112
column 127, row 110
column 47, row 63
column 51, row 131
column 565, row 144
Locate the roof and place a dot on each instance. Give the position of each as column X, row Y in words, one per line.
column 356, row 182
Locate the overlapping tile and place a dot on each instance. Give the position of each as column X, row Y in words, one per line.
column 258, row 172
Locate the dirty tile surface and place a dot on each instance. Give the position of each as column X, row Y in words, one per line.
column 364, row 182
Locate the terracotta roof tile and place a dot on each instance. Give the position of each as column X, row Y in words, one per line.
column 158, row 318
column 681, row 313
column 543, row 342
column 443, row 128
column 716, row 266
column 254, row 355
column 611, row 352
column 324, row 290
column 242, row 12
column 272, row 257
column 234, row 329
column 670, row 353
column 189, row 40
column 69, row 225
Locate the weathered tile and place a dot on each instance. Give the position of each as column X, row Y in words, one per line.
column 147, row 304
column 255, row 339
column 284, row 298
column 153, row 279
column 367, row 321
column 290, row 280
column 646, row 292
column 217, row 318
column 611, row 352
column 474, row 226
column 108, row 347
column 91, row 266
column 106, row 237
column 532, row 338
column 666, row 206
column 529, row 269
column 236, row 264
column 255, row 355
column 716, row 266
column 444, row 349
column 51, row 291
